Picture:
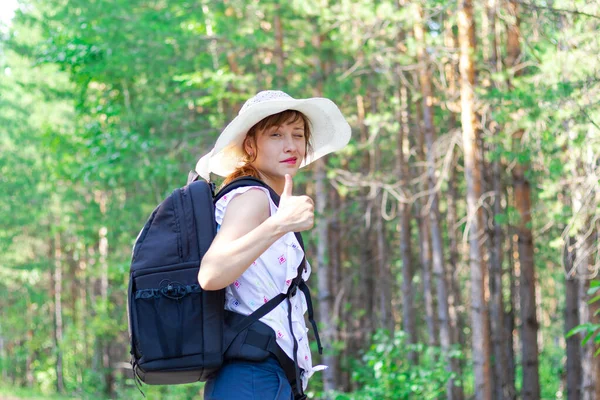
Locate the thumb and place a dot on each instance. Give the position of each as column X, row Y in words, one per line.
column 287, row 189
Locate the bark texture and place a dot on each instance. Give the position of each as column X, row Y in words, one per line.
column 479, row 314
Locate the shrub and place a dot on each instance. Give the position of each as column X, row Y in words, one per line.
column 385, row 371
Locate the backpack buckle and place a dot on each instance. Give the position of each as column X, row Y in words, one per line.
column 172, row 289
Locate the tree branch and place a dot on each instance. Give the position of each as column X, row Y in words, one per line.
column 558, row 10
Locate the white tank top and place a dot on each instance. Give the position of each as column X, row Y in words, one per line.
column 269, row 275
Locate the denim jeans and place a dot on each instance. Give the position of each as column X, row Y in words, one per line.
column 247, row 380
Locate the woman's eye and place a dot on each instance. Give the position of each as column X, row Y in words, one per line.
column 275, row 134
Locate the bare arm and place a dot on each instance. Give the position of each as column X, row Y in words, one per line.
column 248, row 231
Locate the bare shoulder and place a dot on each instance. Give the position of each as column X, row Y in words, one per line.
column 252, row 201
column 246, row 211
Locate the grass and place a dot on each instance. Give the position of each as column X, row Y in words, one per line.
column 17, row 393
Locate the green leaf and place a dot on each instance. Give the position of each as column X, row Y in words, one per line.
column 594, row 299
column 590, row 335
column 578, row 329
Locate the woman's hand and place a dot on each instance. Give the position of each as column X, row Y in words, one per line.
column 248, row 231
column 295, row 213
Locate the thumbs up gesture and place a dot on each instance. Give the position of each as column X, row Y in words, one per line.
column 295, row 213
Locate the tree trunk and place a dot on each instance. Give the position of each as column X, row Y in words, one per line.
column 328, row 336
column 325, row 297
column 574, row 371
column 522, row 195
column 3, row 352
column 105, row 343
column 94, row 289
column 590, row 381
column 382, row 308
column 529, row 323
column 479, row 316
column 502, row 388
column 572, row 278
column 384, row 277
column 510, row 314
column 336, row 285
column 31, row 351
column 385, row 296
column 57, row 282
column 424, row 233
column 456, row 315
column 323, row 250
column 501, row 383
column 213, row 47
column 595, row 318
column 433, row 207
column 366, row 285
column 425, row 252
column 455, row 302
column 83, row 293
column 589, row 363
column 279, row 55
column 409, row 318
column 409, row 321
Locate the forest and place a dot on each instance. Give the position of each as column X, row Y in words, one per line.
column 456, row 246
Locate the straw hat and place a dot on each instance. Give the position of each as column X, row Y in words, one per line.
column 329, row 130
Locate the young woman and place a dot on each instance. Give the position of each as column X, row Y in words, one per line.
column 255, row 254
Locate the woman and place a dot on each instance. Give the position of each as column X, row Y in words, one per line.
column 255, row 254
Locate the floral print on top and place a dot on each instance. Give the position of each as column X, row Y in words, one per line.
column 269, row 275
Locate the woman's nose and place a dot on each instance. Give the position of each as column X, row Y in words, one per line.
column 289, row 145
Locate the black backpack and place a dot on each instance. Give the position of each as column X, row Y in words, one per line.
column 180, row 333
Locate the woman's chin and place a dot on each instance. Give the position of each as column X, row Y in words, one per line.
column 292, row 170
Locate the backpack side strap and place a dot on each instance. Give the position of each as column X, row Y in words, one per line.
column 309, row 307
column 252, row 318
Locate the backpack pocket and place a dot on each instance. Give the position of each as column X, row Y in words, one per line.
column 168, row 314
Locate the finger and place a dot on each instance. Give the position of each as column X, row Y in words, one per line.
column 310, row 200
column 287, row 189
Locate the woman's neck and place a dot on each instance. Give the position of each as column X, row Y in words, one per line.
column 276, row 183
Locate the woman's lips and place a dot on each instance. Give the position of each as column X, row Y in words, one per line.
column 290, row 161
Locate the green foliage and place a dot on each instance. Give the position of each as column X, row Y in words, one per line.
column 551, row 365
column 105, row 106
column 591, row 331
column 385, row 371
column 30, row 394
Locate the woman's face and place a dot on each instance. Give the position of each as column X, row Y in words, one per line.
column 279, row 150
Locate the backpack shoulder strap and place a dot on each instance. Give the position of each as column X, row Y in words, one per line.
column 247, row 181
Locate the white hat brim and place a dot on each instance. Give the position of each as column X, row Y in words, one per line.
column 329, row 132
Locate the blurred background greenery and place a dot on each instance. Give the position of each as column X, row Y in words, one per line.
column 457, row 234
